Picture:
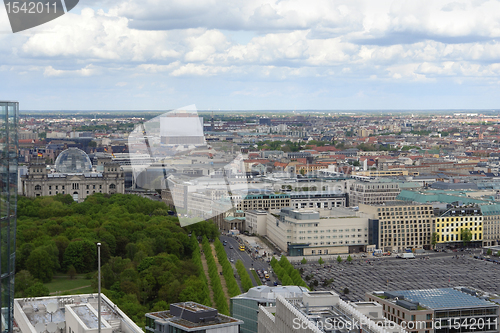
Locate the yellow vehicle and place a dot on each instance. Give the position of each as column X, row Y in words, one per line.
column 242, row 247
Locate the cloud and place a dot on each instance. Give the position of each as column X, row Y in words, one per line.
column 88, row 70
column 296, row 43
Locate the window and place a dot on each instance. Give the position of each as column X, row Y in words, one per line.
column 38, row 188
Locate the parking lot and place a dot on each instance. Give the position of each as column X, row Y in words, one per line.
column 396, row 274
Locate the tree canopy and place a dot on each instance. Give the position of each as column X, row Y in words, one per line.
column 146, row 256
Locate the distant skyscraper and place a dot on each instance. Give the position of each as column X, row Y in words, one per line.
column 9, row 113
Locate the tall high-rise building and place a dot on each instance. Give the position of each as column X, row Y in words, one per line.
column 9, row 113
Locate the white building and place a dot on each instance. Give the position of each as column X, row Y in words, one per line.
column 304, row 232
column 70, row 314
column 256, row 222
column 323, row 311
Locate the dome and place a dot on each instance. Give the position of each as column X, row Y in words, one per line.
column 73, row 160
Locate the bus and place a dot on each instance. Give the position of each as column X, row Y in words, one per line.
column 242, row 247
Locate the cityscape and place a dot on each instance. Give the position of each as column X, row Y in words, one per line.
column 271, row 166
column 328, row 217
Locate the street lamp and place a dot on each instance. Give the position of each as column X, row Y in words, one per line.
column 99, row 287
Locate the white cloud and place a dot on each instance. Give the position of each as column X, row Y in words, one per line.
column 288, row 41
column 88, row 70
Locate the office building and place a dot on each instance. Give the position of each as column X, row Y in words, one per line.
column 303, row 232
column 323, row 311
column 246, row 306
column 432, row 310
column 256, row 222
column 401, row 225
column 370, row 193
column 72, row 313
column 491, row 224
column 9, row 114
column 190, row 317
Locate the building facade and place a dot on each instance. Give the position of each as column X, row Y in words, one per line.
column 245, row 307
column 320, row 199
column 370, row 193
column 9, row 113
column 73, row 175
column 303, row 232
column 402, row 225
column 491, row 224
column 452, row 224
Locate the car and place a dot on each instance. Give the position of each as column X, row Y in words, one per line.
column 231, row 247
column 224, row 243
column 275, row 283
column 231, row 260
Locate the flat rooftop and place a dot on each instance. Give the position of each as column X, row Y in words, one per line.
column 443, row 298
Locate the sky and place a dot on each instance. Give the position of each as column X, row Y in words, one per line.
column 257, row 55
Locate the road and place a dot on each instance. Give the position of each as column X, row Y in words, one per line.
column 245, row 257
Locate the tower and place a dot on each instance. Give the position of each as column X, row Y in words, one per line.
column 9, row 113
column 212, row 123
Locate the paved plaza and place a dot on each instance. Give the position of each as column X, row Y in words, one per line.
column 398, row 274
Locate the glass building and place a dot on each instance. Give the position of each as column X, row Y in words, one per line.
column 9, row 112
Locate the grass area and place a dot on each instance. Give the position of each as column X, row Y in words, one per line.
column 256, row 276
column 64, row 283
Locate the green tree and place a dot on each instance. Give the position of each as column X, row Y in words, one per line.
column 349, row 258
column 321, row 261
column 303, row 261
column 37, row 290
column 71, row 272
column 489, row 252
column 339, row 259
column 40, row 265
column 434, row 239
column 23, row 281
column 465, row 235
column 82, row 255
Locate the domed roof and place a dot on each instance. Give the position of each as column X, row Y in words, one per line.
column 73, row 160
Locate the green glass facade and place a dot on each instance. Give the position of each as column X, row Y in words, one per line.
column 247, row 310
column 9, row 112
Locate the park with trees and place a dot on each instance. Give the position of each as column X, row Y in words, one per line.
column 148, row 260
